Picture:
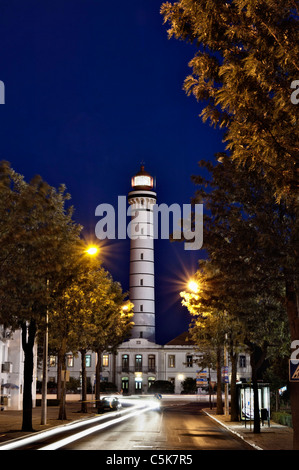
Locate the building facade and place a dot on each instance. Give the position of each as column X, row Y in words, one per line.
column 140, row 361
column 12, row 370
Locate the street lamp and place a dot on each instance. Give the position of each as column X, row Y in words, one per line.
column 92, row 250
column 193, row 286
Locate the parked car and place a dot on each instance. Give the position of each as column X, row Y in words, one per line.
column 109, row 403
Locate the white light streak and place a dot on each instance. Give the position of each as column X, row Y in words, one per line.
column 137, row 406
column 86, row 432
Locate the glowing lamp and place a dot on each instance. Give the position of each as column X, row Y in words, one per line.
column 92, row 250
column 142, row 179
column 193, row 286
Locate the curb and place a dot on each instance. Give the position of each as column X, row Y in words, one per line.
column 232, row 431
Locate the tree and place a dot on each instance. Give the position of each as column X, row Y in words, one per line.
column 36, row 231
column 242, row 74
column 113, row 323
column 242, row 71
column 213, row 328
column 252, row 244
column 70, row 324
column 85, row 310
column 255, row 324
column 189, row 385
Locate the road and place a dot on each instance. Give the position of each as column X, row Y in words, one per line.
column 174, row 427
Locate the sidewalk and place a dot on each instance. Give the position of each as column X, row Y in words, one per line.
column 275, row 437
column 11, row 420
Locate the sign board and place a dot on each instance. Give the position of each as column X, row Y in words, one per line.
column 225, row 378
column 294, row 370
column 201, row 379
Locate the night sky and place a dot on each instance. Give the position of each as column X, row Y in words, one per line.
column 92, row 89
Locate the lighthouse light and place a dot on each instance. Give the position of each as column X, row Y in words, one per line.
column 142, row 180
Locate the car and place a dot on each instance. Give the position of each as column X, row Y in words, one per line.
column 109, row 403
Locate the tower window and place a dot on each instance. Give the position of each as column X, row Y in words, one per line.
column 141, row 282
column 141, row 255
column 141, row 308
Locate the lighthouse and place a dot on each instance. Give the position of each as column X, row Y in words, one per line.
column 142, row 199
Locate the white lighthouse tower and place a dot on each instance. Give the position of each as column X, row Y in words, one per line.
column 142, row 277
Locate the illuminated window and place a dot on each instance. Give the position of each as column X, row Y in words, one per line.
column 105, row 362
column 171, row 360
column 142, row 180
column 52, row 361
column 70, row 360
column 88, row 360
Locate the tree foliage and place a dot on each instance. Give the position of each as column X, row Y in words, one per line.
column 252, row 245
column 87, row 314
column 36, row 231
column 245, row 61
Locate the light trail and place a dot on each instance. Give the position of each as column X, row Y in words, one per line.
column 137, row 406
column 68, row 440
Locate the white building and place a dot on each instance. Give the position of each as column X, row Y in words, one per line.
column 12, row 370
column 140, row 361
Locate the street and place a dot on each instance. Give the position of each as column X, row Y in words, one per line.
column 175, row 425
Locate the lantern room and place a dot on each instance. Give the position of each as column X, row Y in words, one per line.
column 142, row 180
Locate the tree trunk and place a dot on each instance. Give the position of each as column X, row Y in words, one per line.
column 292, row 311
column 256, row 409
column 62, row 409
column 98, row 377
column 28, row 338
column 233, row 389
column 83, row 369
column 219, row 408
column 59, row 369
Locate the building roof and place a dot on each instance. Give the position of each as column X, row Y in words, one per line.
column 182, row 340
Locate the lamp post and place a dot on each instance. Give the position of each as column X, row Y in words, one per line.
column 92, row 251
column 226, row 404
column 45, row 370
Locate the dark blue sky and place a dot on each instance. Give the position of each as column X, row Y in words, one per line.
column 93, row 88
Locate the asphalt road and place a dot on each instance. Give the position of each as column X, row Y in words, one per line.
column 175, row 427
